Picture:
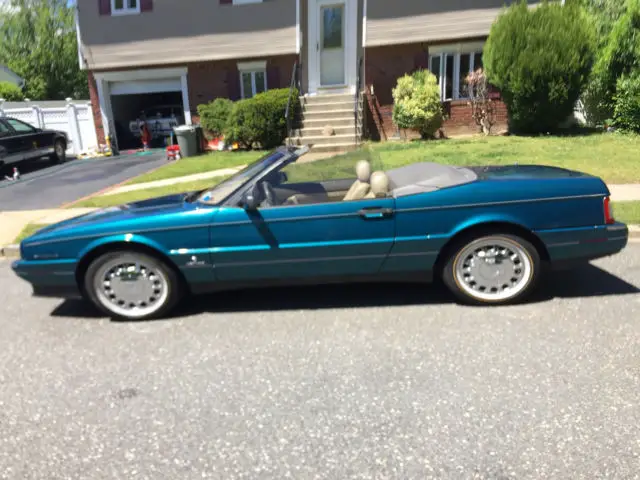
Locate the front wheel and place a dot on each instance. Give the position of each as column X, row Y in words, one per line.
column 131, row 285
column 492, row 269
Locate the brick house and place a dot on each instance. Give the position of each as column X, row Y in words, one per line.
column 190, row 52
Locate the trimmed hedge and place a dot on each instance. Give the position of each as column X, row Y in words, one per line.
column 215, row 115
column 257, row 122
column 540, row 59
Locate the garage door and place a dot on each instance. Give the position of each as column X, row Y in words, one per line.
column 146, row 86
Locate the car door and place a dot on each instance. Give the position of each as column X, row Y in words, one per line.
column 333, row 239
column 10, row 144
column 32, row 143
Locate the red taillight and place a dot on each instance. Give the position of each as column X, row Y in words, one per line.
column 608, row 211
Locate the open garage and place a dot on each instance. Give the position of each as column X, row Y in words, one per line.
column 159, row 110
column 158, row 96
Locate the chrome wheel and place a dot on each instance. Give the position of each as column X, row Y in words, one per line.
column 132, row 289
column 493, row 269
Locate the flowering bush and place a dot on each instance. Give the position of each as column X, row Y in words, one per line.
column 482, row 105
column 417, row 103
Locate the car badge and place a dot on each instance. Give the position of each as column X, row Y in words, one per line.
column 194, row 262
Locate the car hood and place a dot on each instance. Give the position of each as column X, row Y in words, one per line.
column 112, row 218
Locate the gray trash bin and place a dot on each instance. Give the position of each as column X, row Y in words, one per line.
column 186, row 135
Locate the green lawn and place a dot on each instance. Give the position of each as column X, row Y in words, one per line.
column 627, row 212
column 615, row 158
column 28, row 230
column 200, row 164
column 137, row 195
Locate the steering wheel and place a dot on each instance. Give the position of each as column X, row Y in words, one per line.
column 269, row 194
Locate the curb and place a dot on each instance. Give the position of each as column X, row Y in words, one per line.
column 10, row 251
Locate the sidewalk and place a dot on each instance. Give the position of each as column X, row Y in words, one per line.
column 13, row 222
column 171, row 181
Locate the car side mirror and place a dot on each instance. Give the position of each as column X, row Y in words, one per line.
column 284, row 177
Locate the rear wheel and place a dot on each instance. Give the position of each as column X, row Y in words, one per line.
column 132, row 285
column 59, row 154
column 492, row 269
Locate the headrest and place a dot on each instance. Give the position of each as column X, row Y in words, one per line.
column 363, row 170
column 379, row 184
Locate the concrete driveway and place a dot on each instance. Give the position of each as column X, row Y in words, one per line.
column 53, row 186
column 329, row 383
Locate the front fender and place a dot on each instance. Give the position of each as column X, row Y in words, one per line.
column 132, row 238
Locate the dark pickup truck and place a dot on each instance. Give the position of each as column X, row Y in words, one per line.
column 20, row 141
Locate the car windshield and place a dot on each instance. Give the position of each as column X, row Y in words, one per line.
column 217, row 194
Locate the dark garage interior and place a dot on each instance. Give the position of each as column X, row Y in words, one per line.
column 127, row 108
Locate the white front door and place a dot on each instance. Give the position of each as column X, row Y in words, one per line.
column 331, row 44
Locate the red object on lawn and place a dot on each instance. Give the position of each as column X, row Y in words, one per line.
column 173, row 152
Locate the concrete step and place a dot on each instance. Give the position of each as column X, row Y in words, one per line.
column 335, row 148
column 329, row 97
column 328, row 107
column 319, row 131
column 311, row 121
column 341, row 114
column 322, row 140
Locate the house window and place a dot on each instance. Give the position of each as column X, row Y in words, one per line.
column 123, row 7
column 451, row 65
column 253, row 78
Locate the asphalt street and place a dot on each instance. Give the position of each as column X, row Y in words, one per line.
column 357, row 382
column 44, row 186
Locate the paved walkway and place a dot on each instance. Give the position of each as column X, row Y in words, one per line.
column 171, row 181
column 13, row 222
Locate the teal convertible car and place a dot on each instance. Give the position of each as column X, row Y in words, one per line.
column 489, row 233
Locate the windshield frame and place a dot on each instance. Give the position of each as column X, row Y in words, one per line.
column 258, row 168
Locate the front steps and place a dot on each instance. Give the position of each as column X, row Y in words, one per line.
column 327, row 123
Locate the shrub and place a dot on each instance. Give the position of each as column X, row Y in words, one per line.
column 540, row 59
column 260, row 121
column 619, row 56
column 627, row 103
column 215, row 115
column 11, row 92
column 416, row 103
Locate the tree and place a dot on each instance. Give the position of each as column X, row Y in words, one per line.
column 540, row 59
column 38, row 42
column 416, row 103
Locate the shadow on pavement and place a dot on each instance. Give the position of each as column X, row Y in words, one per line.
column 28, row 167
column 583, row 282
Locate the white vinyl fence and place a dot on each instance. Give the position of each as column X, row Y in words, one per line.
column 75, row 117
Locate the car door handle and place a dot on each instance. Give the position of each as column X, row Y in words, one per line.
column 374, row 213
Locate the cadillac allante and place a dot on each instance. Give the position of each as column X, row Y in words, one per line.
column 488, row 233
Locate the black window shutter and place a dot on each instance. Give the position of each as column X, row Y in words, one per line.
column 273, row 77
column 233, row 83
column 421, row 60
column 104, row 7
column 146, row 5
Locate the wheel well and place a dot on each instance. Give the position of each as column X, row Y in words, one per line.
column 83, row 265
column 60, row 139
column 490, row 227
